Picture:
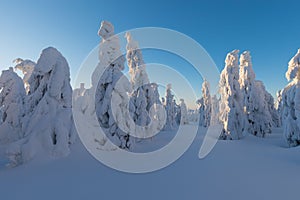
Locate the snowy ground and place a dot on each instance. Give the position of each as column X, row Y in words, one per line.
column 252, row 168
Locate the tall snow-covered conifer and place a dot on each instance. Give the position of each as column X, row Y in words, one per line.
column 205, row 105
column 111, row 100
column 183, row 112
column 291, row 102
column 231, row 111
column 257, row 112
column 215, row 110
column 144, row 94
column 12, row 97
column 170, row 109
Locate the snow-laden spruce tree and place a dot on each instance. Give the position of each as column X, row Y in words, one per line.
column 279, row 105
column 201, row 111
column 145, row 94
column 259, row 120
column 231, row 111
column 215, row 110
column 136, row 64
column 111, row 100
column 263, row 119
column 291, row 102
column 48, row 123
column 79, row 98
column 170, row 107
column 183, row 112
column 272, row 110
column 79, row 92
column 12, row 97
column 26, row 67
column 205, row 106
column 177, row 112
column 193, row 115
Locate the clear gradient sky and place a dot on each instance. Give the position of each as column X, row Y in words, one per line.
column 269, row 29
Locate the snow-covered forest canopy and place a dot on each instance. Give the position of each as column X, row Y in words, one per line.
column 36, row 109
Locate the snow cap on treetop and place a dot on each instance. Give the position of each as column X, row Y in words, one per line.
column 106, row 30
column 131, row 44
column 293, row 68
column 169, row 86
column 48, row 59
column 245, row 59
column 232, row 58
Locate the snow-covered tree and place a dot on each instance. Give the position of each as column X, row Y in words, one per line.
column 231, row 111
column 145, row 94
column 215, row 111
column 291, row 102
column 279, row 105
column 79, row 98
column 170, row 109
column 111, row 100
column 136, row 64
column 79, row 92
column 48, row 123
column 26, row 67
column 272, row 110
column 201, row 111
column 259, row 111
column 193, row 115
column 259, row 120
column 205, row 106
column 12, row 97
column 177, row 111
column 183, row 112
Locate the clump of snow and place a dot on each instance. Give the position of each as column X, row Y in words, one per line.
column 11, row 106
column 26, row 67
column 48, row 123
column 293, row 68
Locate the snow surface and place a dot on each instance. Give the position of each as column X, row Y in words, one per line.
column 248, row 169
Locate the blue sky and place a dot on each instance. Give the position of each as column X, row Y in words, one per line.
column 269, row 29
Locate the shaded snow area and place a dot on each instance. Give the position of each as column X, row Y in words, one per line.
column 252, row 168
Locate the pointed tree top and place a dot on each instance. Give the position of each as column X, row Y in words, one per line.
column 293, row 67
column 106, row 30
column 232, row 58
